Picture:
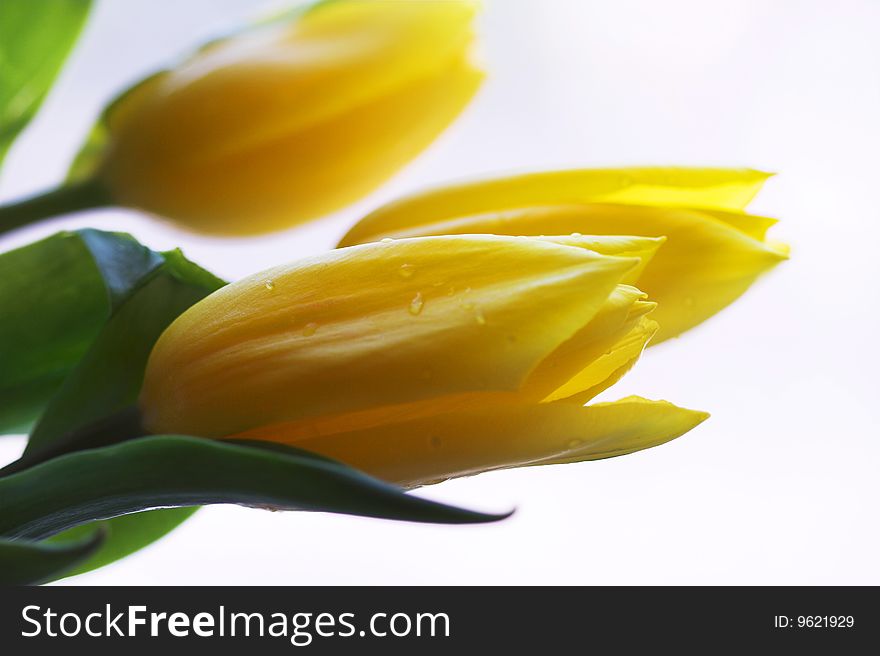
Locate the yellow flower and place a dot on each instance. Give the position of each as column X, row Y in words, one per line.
column 714, row 250
column 292, row 120
column 422, row 359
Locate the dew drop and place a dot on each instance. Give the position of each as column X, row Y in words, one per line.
column 573, row 444
column 310, row 329
column 576, row 234
column 386, row 240
column 416, row 305
column 269, row 284
column 406, row 270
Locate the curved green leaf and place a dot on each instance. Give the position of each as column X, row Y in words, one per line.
column 23, row 562
column 35, row 39
column 123, row 535
column 169, row 470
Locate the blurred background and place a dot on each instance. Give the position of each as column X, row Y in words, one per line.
column 781, row 485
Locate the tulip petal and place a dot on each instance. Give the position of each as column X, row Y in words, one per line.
column 620, row 313
column 753, row 225
column 288, row 77
column 632, row 424
column 274, row 126
column 371, row 326
column 707, row 262
column 608, row 368
column 642, row 248
column 710, row 188
column 432, row 449
column 305, row 175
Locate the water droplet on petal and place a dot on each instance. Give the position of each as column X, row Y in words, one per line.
column 406, row 270
column 416, row 305
column 573, row 444
column 310, row 329
column 576, row 234
column 269, row 284
column 386, row 240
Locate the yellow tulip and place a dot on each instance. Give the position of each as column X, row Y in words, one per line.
column 714, row 250
column 292, row 120
column 418, row 360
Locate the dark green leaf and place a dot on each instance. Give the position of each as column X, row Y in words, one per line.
column 23, row 562
column 163, row 471
column 35, row 39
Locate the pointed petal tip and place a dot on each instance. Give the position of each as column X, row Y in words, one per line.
column 643, row 307
column 780, row 249
column 699, row 415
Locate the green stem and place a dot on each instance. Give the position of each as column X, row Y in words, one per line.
column 61, row 200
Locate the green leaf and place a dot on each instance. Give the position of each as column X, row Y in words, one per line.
column 81, row 313
column 57, row 295
column 54, row 302
column 35, row 38
column 123, row 535
column 170, row 470
column 23, row 562
column 109, row 377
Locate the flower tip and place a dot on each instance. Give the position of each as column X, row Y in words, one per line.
column 619, row 263
column 780, row 249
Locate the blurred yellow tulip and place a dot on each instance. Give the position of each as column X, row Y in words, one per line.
column 289, row 120
column 418, row 360
column 713, row 253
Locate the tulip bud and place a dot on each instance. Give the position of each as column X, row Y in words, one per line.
column 290, row 120
column 714, row 250
column 459, row 354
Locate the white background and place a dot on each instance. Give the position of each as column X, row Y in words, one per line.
column 781, row 484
